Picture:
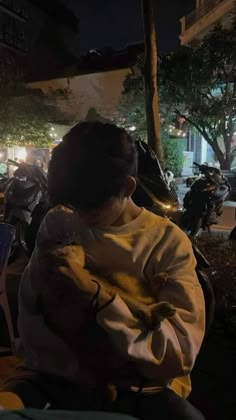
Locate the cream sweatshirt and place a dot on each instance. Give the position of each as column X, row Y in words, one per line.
column 132, row 254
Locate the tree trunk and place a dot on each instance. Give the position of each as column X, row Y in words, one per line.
column 150, row 79
column 223, row 158
column 216, row 149
column 226, row 163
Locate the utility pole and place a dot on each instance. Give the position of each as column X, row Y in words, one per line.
column 150, row 79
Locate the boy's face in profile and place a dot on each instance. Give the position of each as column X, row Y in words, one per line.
column 111, row 210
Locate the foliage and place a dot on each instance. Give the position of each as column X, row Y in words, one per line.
column 132, row 112
column 199, row 83
column 222, row 274
column 173, row 155
column 25, row 114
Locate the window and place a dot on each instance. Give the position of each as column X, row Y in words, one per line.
column 13, row 34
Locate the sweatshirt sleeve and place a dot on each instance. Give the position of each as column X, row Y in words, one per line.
column 171, row 351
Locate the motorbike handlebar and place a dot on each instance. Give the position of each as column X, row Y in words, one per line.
column 31, row 172
column 213, row 174
column 14, row 163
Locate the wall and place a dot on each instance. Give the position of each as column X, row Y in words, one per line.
column 101, row 91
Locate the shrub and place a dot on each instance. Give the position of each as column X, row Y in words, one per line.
column 173, row 155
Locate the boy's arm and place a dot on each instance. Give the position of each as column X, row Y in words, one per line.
column 171, row 351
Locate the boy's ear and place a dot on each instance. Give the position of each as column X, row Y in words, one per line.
column 130, row 186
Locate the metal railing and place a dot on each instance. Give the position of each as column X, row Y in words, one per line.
column 12, row 39
column 197, row 14
column 14, row 9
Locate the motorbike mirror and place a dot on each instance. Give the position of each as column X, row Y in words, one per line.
column 13, row 162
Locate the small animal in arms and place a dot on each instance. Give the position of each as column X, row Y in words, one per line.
column 148, row 311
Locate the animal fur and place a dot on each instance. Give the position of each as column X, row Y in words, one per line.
column 143, row 305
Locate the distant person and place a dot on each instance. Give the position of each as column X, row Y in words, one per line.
column 84, row 347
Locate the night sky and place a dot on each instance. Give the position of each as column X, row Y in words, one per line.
column 117, row 23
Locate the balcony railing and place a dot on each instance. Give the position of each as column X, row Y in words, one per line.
column 13, row 9
column 197, row 14
column 14, row 41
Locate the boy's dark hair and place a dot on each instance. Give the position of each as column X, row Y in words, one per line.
column 91, row 165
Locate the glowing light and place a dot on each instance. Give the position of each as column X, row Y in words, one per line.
column 166, row 206
column 52, row 128
column 132, row 128
column 21, row 154
column 57, row 141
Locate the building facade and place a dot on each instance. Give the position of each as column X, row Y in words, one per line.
column 37, row 35
column 194, row 27
column 206, row 15
column 38, row 38
column 95, row 83
column 13, row 19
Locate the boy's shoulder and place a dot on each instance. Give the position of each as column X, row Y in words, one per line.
column 159, row 221
column 164, row 227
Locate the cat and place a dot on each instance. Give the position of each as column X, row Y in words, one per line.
column 143, row 307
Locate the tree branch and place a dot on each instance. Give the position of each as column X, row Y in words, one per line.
column 212, row 142
column 198, row 128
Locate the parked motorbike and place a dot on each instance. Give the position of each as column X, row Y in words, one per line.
column 3, row 181
column 25, row 204
column 170, row 179
column 153, row 192
column 203, row 203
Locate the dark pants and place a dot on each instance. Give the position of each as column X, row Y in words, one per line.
column 39, row 391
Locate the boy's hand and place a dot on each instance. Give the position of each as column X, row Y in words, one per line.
column 80, row 277
column 70, row 268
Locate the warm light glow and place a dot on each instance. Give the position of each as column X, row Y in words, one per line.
column 21, row 154
column 57, row 141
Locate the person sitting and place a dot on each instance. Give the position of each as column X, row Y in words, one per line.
column 84, row 347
